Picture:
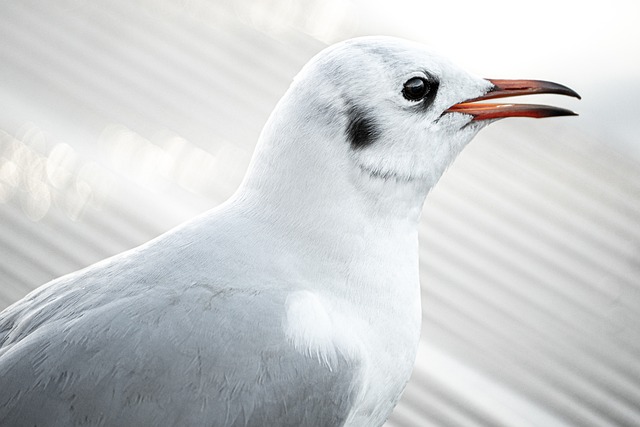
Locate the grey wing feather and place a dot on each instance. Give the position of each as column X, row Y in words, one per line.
column 205, row 356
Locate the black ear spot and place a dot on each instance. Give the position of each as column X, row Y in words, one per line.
column 362, row 129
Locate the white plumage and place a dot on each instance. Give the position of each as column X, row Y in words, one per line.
column 296, row 302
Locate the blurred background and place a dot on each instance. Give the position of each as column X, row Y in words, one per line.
column 119, row 119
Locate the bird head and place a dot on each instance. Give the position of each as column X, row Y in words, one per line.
column 382, row 109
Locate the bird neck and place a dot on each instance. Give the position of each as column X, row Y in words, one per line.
column 303, row 177
column 306, row 195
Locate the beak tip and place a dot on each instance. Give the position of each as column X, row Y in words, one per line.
column 573, row 94
column 547, row 111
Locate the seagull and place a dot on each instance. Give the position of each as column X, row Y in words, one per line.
column 294, row 303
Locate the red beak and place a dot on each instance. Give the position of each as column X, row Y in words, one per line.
column 506, row 88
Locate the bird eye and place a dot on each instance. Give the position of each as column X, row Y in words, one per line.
column 416, row 88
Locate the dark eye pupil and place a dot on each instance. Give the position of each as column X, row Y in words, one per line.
column 415, row 89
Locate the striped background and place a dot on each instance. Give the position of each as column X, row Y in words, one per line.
column 120, row 119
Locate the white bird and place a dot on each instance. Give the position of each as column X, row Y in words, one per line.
column 296, row 302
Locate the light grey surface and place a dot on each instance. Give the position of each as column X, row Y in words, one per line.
column 531, row 242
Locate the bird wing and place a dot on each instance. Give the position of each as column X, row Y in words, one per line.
column 105, row 347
